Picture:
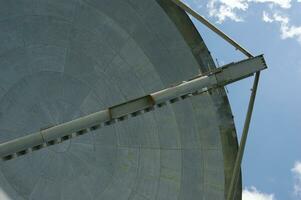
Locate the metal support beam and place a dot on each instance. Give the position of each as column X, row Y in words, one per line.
column 243, row 140
column 239, row 156
column 212, row 27
column 60, row 133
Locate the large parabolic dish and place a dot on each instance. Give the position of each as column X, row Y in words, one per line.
column 62, row 59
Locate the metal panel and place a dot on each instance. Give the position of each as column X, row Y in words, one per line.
column 224, row 75
column 64, row 59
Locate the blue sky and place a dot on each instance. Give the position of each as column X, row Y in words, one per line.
column 272, row 161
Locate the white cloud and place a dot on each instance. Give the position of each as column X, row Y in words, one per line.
column 222, row 9
column 253, row 194
column 296, row 170
column 232, row 9
column 281, row 3
column 287, row 30
column 266, row 17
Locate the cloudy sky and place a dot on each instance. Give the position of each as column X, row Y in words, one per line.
column 272, row 162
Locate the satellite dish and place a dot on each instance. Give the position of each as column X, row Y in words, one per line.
column 64, row 59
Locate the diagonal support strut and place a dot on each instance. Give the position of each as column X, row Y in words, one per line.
column 235, row 174
column 240, row 153
column 212, row 27
column 200, row 84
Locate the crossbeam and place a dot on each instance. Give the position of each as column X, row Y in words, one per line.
column 65, row 131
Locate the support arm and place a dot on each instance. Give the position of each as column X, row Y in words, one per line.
column 202, row 83
column 238, row 161
column 212, row 27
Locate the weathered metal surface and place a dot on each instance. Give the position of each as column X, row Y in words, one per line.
column 57, row 134
column 63, row 59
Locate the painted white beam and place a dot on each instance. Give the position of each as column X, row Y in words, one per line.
column 202, row 83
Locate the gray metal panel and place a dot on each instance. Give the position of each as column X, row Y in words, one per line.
column 133, row 108
column 62, row 59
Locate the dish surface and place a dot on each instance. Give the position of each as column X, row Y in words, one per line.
column 62, row 59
